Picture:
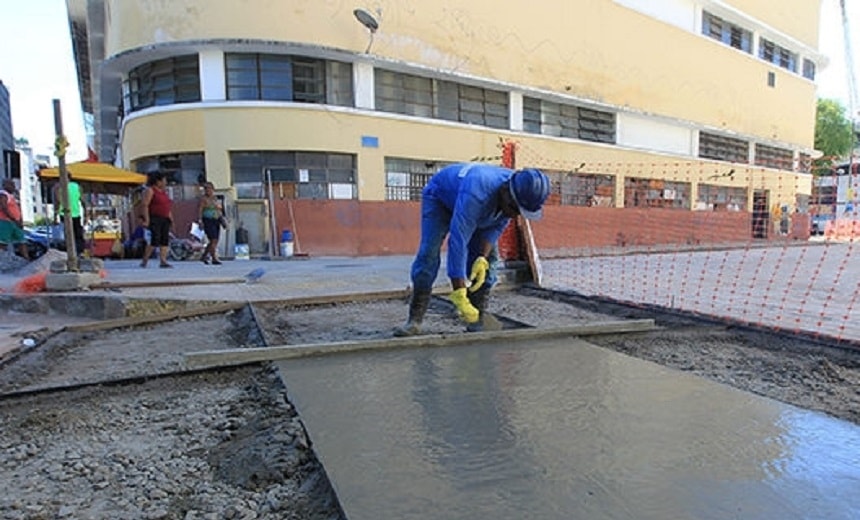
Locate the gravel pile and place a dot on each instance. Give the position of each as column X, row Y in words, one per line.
column 206, row 446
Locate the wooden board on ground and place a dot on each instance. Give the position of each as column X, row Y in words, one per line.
column 531, row 250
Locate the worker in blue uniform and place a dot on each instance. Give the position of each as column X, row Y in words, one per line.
column 471, row 204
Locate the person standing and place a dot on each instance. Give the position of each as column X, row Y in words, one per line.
column 157, row 211
column 471, row 204
column 11, row 223
column 210, row 216
column 76, row 212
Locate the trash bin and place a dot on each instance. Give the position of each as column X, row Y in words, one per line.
column 286, row 243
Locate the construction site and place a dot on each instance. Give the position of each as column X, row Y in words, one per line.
column 193, row 396
column 675, row 328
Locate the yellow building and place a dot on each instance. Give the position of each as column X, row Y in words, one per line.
column 686, row 104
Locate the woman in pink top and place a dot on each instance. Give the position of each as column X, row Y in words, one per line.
column 158, row 216
column 11, row 225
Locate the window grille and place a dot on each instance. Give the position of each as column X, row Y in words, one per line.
column 726, row 32
column 772, row 157
column 185, row 172
column 277, row 77
column 656, row 193
column 721, row 198
column 294, row 175
column 582, row 189
column 723, row 148
column 425, row 97
column 405, row 178
column 563, row 120
column 808, row 69
column 779, row 56
column 163, row 82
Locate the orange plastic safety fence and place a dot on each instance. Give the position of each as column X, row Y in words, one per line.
column 733, row 242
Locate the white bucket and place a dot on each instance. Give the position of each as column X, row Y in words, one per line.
column 286, row 249
column 242, row 252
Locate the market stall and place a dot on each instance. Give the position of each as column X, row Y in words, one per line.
column 107, row 190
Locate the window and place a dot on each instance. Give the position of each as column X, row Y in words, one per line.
column 656, row 193
column 804, row 163
column 425, row 97
column 583, row 189
column 403, row 93
column 721, row 198
column 185, row 172
column 779, row 56
column 475, row 105
column 163, row 82
column 405, row 178
column 277, row 77
column 772, row 157
column 726, row 32
column 808, row 69
column 824, row 195
column 722, row 148
column 562, row 120
column 294, row 175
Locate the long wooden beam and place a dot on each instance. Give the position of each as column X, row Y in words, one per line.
column 229, row 357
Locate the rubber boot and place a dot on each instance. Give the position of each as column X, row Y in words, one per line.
column 417, row 309
column 479, row 300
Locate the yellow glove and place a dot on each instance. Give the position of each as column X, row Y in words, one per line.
column 479, row 273
column 467, row 311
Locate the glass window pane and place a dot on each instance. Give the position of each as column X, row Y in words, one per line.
column 234, row 60
column 276, row 93
column 234, row 93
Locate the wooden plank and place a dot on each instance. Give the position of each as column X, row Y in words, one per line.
column 155, row 318
column 164, row 283
column 230, row 357
column 525, row 228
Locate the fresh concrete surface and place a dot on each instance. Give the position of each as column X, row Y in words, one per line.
column 559, row 429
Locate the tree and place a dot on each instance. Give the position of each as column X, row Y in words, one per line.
column 834, row 136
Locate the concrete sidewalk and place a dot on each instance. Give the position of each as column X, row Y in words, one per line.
column 189, row 282
column 293, row 278
column 22, row 316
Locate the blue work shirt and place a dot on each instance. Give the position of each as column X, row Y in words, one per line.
column 470, row 193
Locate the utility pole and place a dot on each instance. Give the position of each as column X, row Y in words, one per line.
column 60, row 145
column 852, row 82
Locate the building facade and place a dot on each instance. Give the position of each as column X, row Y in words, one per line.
column 328, row 120
column 9, row 165
column 32, row 192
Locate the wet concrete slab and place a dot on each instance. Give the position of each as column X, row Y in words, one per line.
column 563, row 429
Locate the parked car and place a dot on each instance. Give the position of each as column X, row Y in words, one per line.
column 54, row 235
column 818, row 222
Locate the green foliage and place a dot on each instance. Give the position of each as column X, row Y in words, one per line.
column 833, row 133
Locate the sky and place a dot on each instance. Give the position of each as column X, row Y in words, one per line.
column 37, row 66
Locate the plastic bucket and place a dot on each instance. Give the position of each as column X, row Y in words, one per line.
column 286, row 243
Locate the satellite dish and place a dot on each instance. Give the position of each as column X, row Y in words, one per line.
column 366, row 20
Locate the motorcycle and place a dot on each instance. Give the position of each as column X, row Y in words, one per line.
column 190, row 248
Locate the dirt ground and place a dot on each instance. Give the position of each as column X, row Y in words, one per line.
column 157, row 441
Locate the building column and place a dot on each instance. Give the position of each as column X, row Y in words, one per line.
column 515, row 114
column 213, row 81
column 362, row 78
